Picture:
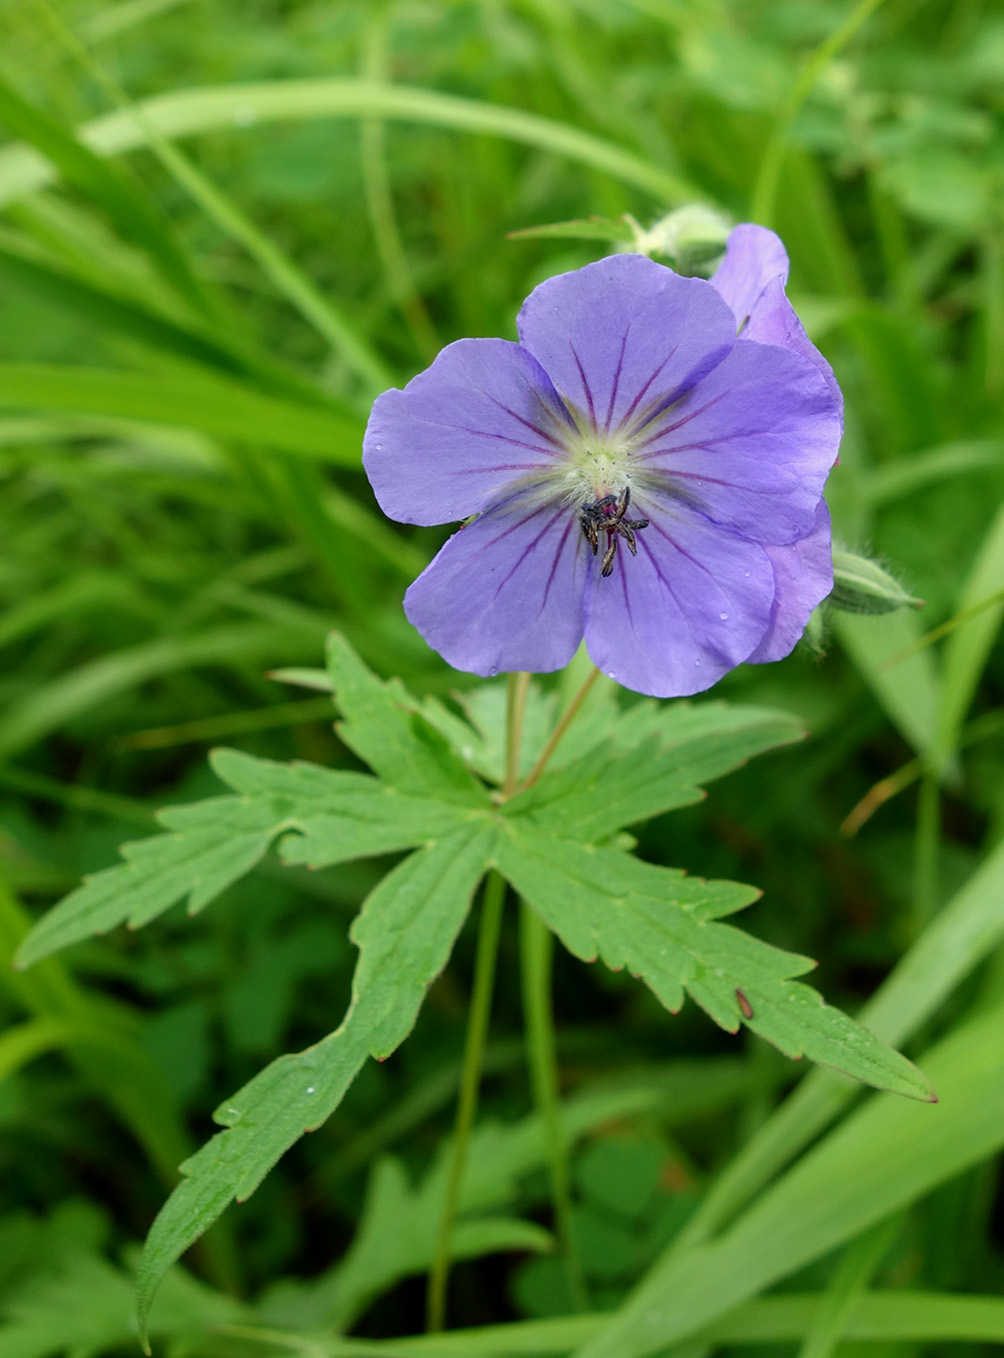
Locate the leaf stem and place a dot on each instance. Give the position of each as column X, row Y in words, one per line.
column 519, row 685
column 564, row 722
column 536, row 950
column 477, row 1030
column 536, row 946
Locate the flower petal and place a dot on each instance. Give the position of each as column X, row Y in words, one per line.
column 625, row 336
column 505, row 592
column 752, row 278
column 750, row 446
column 483, row 416
column 773, row 321
column 753, row 257
column 803, row 576
column 690, row 606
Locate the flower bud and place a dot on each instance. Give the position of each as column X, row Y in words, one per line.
column 691, row 237
column 863, row 586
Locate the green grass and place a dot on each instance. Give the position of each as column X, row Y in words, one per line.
column 223, row 228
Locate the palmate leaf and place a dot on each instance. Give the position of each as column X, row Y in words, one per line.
column 654, row 760
column 663, row 927
column 404, row 933
column 215, row 842
column 384, row 727
column 547, row 841
column 425, row 792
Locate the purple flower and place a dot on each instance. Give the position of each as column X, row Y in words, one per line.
column 642, row 475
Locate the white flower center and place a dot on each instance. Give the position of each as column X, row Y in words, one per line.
column 595, row 467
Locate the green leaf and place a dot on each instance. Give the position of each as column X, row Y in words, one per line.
column 220, row 840
column 480, row 739
column 968, row 648
column 396, row 1237
column 404, row 933
column 385, row 728
column 397, row 1232
column 905, row 685
column 662, row 926
column 961, row 936
column 136, row 218
column 654, row 761
column 585, row 228
column 884, row 1316
column 193, row 400
column 185, row 112
column 887, row 1155
column 213, row 843
column 121, row 315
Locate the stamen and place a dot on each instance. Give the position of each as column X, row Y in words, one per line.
column 606, row 515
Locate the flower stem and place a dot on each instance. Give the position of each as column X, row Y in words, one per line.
column 536, row 948
column 477, row 1021
column 564, row 722
column 470, row 1077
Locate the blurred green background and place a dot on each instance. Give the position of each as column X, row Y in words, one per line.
column 224, row 227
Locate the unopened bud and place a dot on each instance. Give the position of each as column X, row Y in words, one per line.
column 690, row 237
column 863, row 586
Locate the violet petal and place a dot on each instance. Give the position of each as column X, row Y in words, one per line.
column 754, row 257
column 751, row 445
column 482, row 417
column 625, row 336
column 505, row 592
column 773, row 321
column 690, row 606
column 751, row 279
column 803, row 576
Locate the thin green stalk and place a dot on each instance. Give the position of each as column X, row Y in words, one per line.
column 850, row 1281
column 477, row 1030
column 519, row 685
column 536, row 951
column 765, row 191
column 380, row 205
column 564, row 722
column 925, row 872
column 477, row 1023
column 287, row 277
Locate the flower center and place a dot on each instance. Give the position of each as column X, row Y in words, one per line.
column 596, row 469
column 606, row 515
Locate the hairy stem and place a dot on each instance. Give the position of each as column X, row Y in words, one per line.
column 519, row 685
column 564, row 722
column 536, row 949
column 477, row 1021
column 470, row 1078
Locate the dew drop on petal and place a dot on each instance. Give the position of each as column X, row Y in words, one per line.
column 747, row 574
column 611, row 675
column 493, row 671
column 724, row 617
column 697, row 662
